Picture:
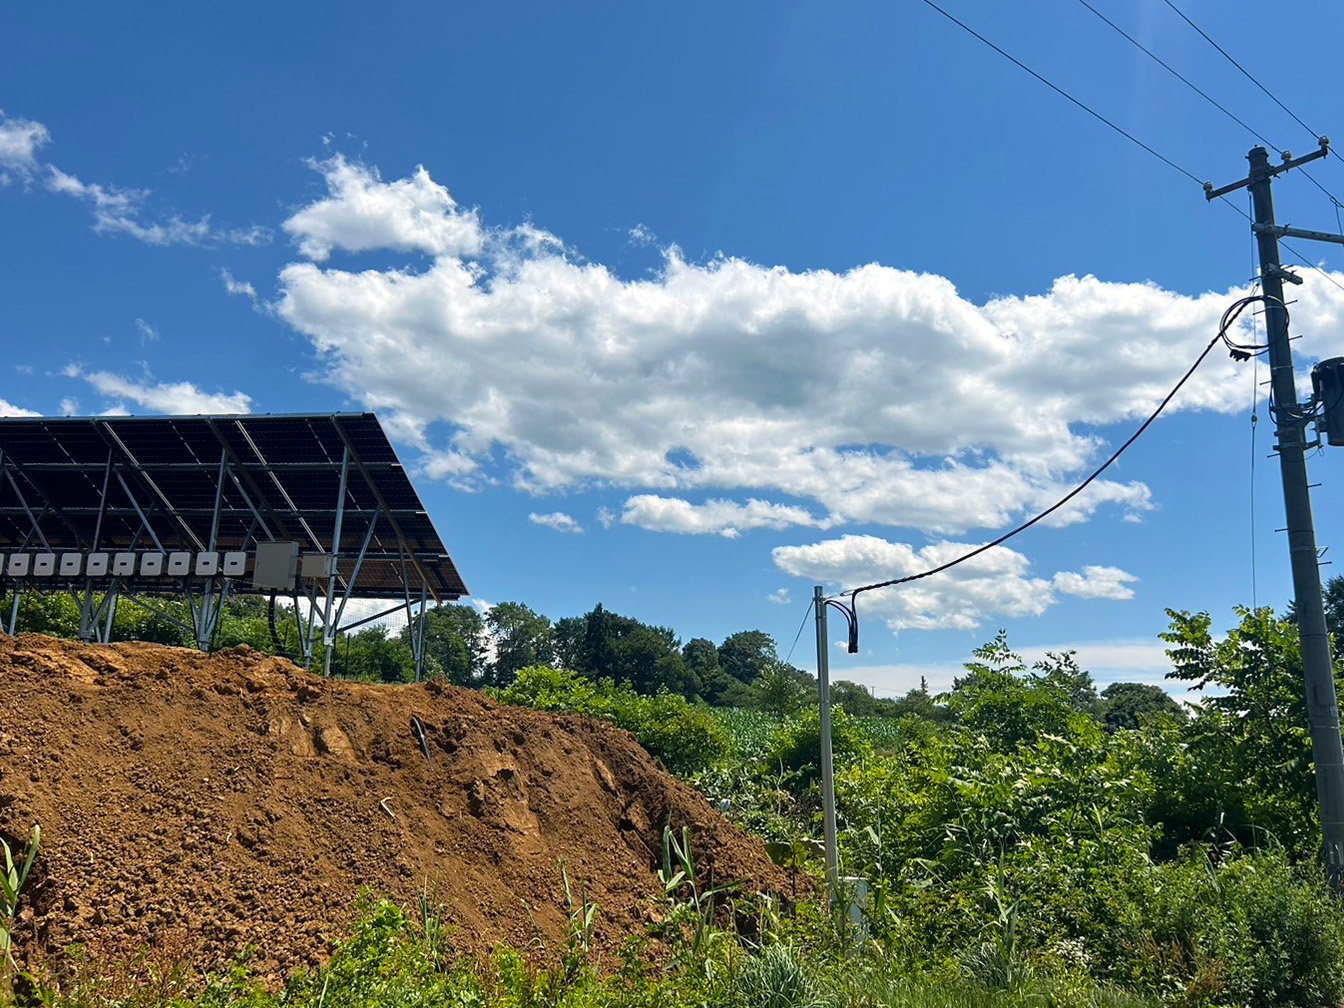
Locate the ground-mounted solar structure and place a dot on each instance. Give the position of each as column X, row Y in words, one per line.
column 313, row 508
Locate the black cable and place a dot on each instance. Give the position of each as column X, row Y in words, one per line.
column 1060, row 91
column 799, row 634
column 1175, row 73
column 1240, row 67
column 1228, row 318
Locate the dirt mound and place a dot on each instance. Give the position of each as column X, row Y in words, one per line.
column 239, row 800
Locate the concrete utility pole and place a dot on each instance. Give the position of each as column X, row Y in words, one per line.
column 819, row 603
column 1291, row 430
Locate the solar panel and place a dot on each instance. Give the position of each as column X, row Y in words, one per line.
column 220, row 483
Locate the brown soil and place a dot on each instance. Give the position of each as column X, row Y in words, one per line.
column 235, row 799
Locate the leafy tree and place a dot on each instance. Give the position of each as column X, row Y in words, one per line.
column 567, row 642
column 522, row 638
column 702, row 659
column 1127, row 705
column 1250, row 746
column 746, row 654
column 918, row 703
column 373, row 656
column 1333, row 595
column 454, row 641
column 1009, row 707
column 781, row 689
column 854, row 699
column 1060, row 674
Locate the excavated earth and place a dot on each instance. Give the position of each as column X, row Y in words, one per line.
column 234, row 800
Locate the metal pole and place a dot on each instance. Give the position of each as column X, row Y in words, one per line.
column 827, row 761
column 328, row 630
column 1317, row 667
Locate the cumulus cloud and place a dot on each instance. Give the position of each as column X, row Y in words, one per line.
column 116, row 209
column 780, row 596
column 995, row 584
column 1096, row 583
column 10, row 410
column 182, row 398
column 557, row 520
column 873, row 395
column 718, row 517
column 362, row 212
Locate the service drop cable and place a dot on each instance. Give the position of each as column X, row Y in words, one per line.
column 1236, row 349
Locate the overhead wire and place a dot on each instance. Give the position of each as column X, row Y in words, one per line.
column 1229, row 319
column 1064, row 94
column 1181, row 77
column 799, row 634
column 1249, row 75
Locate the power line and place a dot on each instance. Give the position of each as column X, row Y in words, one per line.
column 1249, row 75
column 1206, row 96
column 799, row 634
column 1229, row 317
column 1060, row 91
column 1180, row 77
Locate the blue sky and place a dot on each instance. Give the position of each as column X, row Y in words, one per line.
column 684, row 309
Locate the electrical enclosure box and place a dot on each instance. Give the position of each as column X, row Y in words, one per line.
column 97, row 565
column 44, row 564
column 207, row 564
column 18, row 565
column 71, row 564
column 318, row 565
column 1327, row 381
column 276, row 566
column 151, row 564
column 123, row 564
column 235, row 564
column 179, row 564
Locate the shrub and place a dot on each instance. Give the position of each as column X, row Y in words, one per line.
column 686, row 736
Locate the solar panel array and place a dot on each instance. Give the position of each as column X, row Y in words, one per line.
column 95, row 482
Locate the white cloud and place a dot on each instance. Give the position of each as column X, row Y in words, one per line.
column 718, row 517
column 780, row 596
column 20, row 140
column 120, row 211
column 1096, row 583
column 239, row 287
column 147, row 332
column 10, row 410
column 182, row 398
column 605, row 517
column 557, row 520
column 69, row 407
column 878, row 395
column 364, row 213
column 994, row 585
column 116, row 209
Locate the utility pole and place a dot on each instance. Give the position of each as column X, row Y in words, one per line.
column 819, row 603
column 1291, row 431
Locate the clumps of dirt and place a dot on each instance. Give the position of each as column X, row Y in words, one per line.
column 241, row 801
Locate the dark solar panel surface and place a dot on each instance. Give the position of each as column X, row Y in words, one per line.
column 284, row 472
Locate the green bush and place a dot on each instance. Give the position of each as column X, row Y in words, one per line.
column 686, row 736
column 1267, row 932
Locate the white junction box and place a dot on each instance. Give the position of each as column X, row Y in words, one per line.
column 44, row 564
column 97, row 564
column 179, row 564
column 71, row 564
column 207, row 564
column 235, row 563
column 123, row 564
column 151, row 564
column 18, row 565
